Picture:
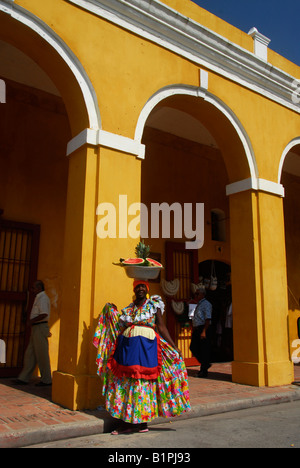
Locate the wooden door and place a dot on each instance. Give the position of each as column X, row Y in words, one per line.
column 182, row 264
column 19, row 245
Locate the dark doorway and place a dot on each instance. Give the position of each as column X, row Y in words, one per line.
column 19, row 247
column 221, row 300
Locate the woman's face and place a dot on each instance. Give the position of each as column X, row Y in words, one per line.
column 140, row 291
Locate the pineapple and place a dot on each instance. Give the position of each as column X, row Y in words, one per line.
column 142, row 250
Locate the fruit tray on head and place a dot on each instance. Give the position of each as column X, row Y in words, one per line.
column 141, row 267
column 142, row 273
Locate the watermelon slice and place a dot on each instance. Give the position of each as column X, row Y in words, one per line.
column 133, row 261
column 154, row 263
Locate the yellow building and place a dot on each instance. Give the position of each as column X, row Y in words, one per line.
column 106, row 104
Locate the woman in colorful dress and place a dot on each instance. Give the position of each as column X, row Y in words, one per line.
column 144, row 375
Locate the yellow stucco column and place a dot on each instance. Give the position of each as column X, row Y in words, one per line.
column 117, row 231
column 259, row 284
column 73, row 384
column 102, row 214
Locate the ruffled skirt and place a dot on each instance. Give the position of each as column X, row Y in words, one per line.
column 141, row 400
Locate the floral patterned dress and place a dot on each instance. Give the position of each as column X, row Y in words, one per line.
column 138, row 400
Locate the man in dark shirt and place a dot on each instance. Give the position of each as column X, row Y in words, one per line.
column 200, row 343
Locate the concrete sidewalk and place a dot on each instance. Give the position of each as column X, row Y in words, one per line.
column 28, row 416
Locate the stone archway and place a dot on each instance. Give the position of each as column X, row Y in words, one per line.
column 34, row 132
column 195, row 149
column 259, row 360
column 36, row 39
column 76, row 103
column 289, row 176
column 183, row 95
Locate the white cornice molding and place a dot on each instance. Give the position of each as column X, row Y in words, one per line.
column 261, row 185
column 164, row 26
column 261, row 43
column 98, row 138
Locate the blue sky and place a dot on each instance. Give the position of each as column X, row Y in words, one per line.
column 278, row 20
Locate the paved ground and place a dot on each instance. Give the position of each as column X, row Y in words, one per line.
column 272, row 426
column 28, row 416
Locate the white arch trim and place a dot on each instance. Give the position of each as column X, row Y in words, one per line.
column 289, row 147
column 93, row 135
column 253, row 182
column 201, row 93
column 43, row 30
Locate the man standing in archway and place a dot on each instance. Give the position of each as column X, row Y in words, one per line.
column 201, row 344
column 37, row 352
